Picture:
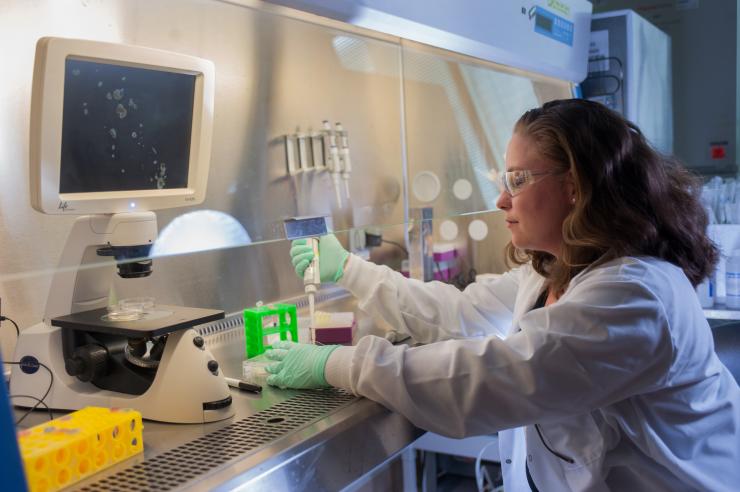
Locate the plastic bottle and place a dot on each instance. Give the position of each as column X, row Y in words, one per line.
column 732, row 275
column 707, row 292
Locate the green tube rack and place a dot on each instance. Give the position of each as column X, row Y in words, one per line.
column 269, row 319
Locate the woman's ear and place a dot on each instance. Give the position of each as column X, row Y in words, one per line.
column 569, row 187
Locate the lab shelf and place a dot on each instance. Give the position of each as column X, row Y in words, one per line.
column 720, row 311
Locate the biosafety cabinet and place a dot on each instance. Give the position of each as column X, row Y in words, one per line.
column 426, row 94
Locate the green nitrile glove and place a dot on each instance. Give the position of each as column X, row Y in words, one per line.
column 332, row 257
column 300, row 365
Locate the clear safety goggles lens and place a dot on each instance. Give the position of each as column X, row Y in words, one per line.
column 513, row 182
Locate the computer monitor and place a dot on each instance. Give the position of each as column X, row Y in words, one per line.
column 118, row 128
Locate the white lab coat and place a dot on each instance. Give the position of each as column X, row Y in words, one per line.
column 618, row 378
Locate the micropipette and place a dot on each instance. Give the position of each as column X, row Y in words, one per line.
column 309, row 228
column 311, row 281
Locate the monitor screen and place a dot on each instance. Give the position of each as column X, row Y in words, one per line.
column 544, row 23
column 118, row 127
column 124, row 128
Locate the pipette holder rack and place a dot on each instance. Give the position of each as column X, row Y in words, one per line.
column 271, row 319
column 321, row 150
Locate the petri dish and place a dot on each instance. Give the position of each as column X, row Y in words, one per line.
column 130, row 309
column 142, row 304
column 121, row 315
column 253, row 370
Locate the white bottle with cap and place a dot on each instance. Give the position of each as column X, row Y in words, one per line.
column 732, row 276
column 707, row 292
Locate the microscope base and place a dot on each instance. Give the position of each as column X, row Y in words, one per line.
column 181, row 386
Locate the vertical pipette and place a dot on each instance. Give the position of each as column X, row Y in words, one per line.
column 334, row 164
column 302, row 150
column 311, row 281
column 346, row 162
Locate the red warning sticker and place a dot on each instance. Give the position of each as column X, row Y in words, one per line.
column 718, row 150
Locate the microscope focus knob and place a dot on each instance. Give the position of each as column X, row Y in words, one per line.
column 88, row 362
column 74, row 366
column 213, row 366
column 198, row 342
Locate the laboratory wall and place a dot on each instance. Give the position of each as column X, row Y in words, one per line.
column 408, row 109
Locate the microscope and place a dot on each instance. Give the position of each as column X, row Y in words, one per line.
column 150, row 359
column 117, row 131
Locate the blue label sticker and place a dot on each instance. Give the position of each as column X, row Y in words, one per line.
column 553, row 26
column 298, row 227
column 29, row 364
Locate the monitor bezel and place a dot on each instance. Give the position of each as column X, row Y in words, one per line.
column 47, row 109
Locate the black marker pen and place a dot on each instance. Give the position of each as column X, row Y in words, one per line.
column 236, row 383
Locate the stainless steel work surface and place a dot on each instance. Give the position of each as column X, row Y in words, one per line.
column 281, row 440
column 277, row 440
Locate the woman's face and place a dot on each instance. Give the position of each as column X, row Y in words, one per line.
column 535, row 213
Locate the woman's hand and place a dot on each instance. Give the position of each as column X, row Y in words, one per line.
column 299, row 365
column 332, row 257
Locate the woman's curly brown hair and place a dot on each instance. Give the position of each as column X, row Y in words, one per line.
column 630, row 199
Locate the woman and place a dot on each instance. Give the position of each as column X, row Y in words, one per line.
column 593, row 358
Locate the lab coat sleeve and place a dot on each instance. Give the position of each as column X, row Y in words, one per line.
column 432, row 311
column 602, row 344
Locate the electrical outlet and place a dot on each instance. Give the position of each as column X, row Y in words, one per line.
column 373, row 237
column 356, row 240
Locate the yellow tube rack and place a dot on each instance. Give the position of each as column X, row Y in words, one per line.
column 66, row 450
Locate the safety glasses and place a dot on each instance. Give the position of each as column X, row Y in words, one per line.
column 513, row 182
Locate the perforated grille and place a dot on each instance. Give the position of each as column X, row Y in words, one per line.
column 182, row 464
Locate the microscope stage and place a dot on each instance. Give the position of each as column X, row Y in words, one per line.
column 159, row 321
